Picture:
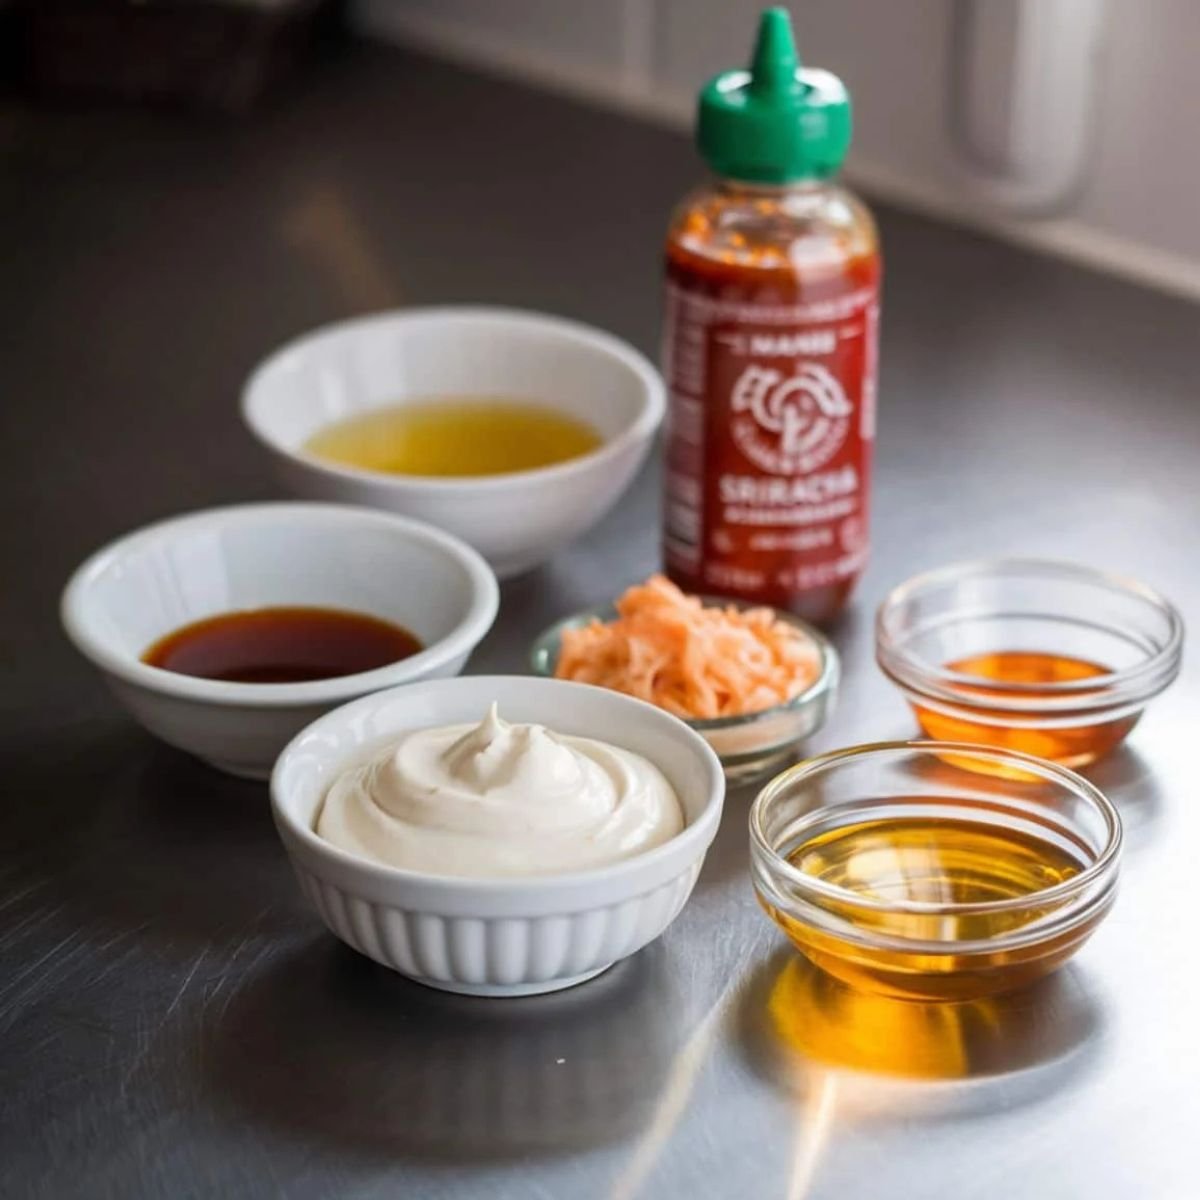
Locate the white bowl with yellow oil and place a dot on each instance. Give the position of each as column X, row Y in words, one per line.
column 515, row 431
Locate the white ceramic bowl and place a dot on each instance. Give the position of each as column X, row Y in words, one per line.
column 499, row 937
column 515, row 520
column 152, row 582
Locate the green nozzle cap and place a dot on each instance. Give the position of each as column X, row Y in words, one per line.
column 777, row 122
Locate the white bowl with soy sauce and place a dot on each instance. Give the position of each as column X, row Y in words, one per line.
column 514, row 431
column 227, row 631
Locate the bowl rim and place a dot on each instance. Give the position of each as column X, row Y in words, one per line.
column 827, row 678
column 75, row 612
column 1105, row 861
column 647, row 419
column 1130, row 685
column 696, row 835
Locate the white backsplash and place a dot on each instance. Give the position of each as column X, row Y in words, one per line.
column 1133, row 212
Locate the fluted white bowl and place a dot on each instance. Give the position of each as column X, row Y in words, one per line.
column 496, row 937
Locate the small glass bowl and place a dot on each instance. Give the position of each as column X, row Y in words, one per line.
column 918, row 947
column 749, row 746
column 1062, row 658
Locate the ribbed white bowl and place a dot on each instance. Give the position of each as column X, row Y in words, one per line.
column 504, row 936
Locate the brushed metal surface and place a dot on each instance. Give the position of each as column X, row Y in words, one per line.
column 173, row 1020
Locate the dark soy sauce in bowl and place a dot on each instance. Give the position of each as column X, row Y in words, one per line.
column 282, row 645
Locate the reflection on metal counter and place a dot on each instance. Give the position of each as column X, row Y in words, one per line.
column 338, row 1050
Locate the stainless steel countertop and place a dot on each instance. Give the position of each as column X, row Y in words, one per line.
column 175, row 1022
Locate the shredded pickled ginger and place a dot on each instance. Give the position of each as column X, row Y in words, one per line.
column 695, row 661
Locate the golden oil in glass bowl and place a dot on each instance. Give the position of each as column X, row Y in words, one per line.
column 919, row 871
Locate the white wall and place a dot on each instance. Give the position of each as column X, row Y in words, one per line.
column 1145, row 185
column 1136, row 210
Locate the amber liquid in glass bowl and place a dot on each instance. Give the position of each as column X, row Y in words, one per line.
column 938, row 862
column 934, row 870
column 1032, row 656
column 1071, row 745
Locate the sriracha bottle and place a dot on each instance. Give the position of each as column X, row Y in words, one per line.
column 769, row 344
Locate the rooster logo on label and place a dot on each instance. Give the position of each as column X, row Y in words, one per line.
column 789, row 424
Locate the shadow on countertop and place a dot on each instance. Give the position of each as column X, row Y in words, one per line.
column 1129, row 781
column 335, row 1048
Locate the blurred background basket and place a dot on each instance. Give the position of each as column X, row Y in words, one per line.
column 208, row 54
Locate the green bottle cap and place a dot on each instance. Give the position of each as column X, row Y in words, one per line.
column 777, row 122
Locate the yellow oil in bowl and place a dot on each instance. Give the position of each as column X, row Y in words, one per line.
column 455, row 436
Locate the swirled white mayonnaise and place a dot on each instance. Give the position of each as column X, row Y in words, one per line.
column 497, row 799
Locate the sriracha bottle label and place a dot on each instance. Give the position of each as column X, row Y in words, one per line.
column 770, row 430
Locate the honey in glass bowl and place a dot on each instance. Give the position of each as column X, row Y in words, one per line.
column 1044, row 658
column 1072, row 745
column 934, row 871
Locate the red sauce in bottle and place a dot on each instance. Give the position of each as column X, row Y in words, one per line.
column 769, row 346
column 772, row 375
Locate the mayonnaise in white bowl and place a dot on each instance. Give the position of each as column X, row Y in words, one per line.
column 504, row 935
column 495, row 799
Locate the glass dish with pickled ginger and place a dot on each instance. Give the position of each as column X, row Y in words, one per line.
column 752, row 680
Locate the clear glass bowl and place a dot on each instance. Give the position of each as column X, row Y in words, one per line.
column 749, row 746
column 1048, row 658
column 913, row 924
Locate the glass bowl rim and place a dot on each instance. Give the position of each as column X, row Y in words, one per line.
column 1106, row 860
column 826, row 680
column 1135, row 684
